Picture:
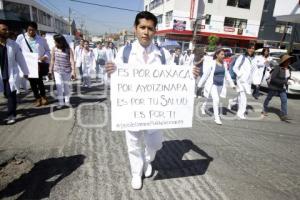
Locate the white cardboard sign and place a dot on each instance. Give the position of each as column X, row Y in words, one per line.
column 152, row 97
column 32, row 64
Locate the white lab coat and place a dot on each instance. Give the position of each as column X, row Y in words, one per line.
column 77, row 55
column 259, row 69
column 100, row 53
column 42, row 47
column 207, row 78
column 87, row 62
column 244, row 73
column 188, row 59
column 180, row 59
column 15, row 58
column 152, row 139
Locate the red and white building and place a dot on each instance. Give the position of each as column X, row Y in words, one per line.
column 235, row 22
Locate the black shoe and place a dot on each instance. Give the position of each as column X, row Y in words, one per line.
column 284, row 118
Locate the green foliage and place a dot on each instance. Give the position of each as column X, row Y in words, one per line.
column 212, row 42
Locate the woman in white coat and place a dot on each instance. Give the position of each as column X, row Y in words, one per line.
column 215, row 77
column 87, row 62
column 262, row 64
column 243, row 68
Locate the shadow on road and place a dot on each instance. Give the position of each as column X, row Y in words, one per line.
column 170, row 164
column 45, row 174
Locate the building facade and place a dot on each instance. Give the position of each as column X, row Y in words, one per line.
column 235, row 22
column 278, row 23
column 30, row 10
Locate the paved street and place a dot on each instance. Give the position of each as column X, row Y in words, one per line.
column 72, row 154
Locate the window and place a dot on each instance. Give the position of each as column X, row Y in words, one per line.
column 20, row 9
column 210, row 1
column 155, row 3
column 159, row 19
column 34, row 14
column 279, row 28
column 234, row 22
column 266, row 5
column 239, row 3
column 207, row 19
column 169, row 16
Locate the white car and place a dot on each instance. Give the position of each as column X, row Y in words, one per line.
column 274, row 53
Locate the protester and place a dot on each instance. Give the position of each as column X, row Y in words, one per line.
column 243, row 68
column 200, row 56
column 188, row 58
column 214, row 77
column 143, row 51
column 86, row 61
column 31, row 42
column 111, row 51
column 263, row 63
column 10, row 58
column 100, row 60
column 278, row 85
column 177, row 57
column 77, row 58
column 63, row 67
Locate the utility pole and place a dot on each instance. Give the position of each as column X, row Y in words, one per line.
column 70, row 25
column 196, row 24
column 292, row 38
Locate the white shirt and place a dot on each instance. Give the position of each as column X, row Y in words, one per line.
column 136, row 55
column 188, row 59
column 39, row 45
column 100, row 54
column 77, row 55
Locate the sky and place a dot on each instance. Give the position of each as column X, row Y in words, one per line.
column 98, row 20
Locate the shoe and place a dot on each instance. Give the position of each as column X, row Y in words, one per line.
column 203, row 111
column 263, row 113
column 11, row 120
column 136, row 182
column 284, row 118
column 37, row 102
column 147, row 170
column 44, row 101
column 218, row 121
column 241, row 117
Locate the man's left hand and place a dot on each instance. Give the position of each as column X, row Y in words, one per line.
column 196, row 71
column 43, row 58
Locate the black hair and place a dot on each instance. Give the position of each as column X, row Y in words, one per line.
column 3, row 22
column 250, row 45
column 145, row 15
column 264, row 50
column 33, row 25
column 217, row 53
column 61, row 42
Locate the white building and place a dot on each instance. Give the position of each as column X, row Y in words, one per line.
column 235, row 22
column 31, row 10
column 288, row 11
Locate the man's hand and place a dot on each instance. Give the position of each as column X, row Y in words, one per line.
column 110, row 68
column 43, row 58
column 196, row 71
column 25, row 76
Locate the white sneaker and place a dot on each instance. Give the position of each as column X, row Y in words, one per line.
column 147, row 170
column 11, row 120
column 136, row 182
column 218, row 121
column 203, row 111
column 241, row 116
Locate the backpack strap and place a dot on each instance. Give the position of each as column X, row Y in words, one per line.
column 242, row 62
column 127, row 50
column 126, row 53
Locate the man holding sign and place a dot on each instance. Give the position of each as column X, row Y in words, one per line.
column 143, row 53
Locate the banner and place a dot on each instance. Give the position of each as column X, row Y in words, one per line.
column 179, row 25
column 152, row 97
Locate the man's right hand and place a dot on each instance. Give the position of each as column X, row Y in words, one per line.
column 110, row 68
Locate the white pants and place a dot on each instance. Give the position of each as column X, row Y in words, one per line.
column 142, row 147
column 62, row 81
column 215, row 98
column 242, row 100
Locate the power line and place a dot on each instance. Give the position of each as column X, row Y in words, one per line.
column 105, row 6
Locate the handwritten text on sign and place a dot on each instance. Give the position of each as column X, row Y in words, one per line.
column 152, row 97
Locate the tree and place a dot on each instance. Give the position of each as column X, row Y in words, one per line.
column 212, row 42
